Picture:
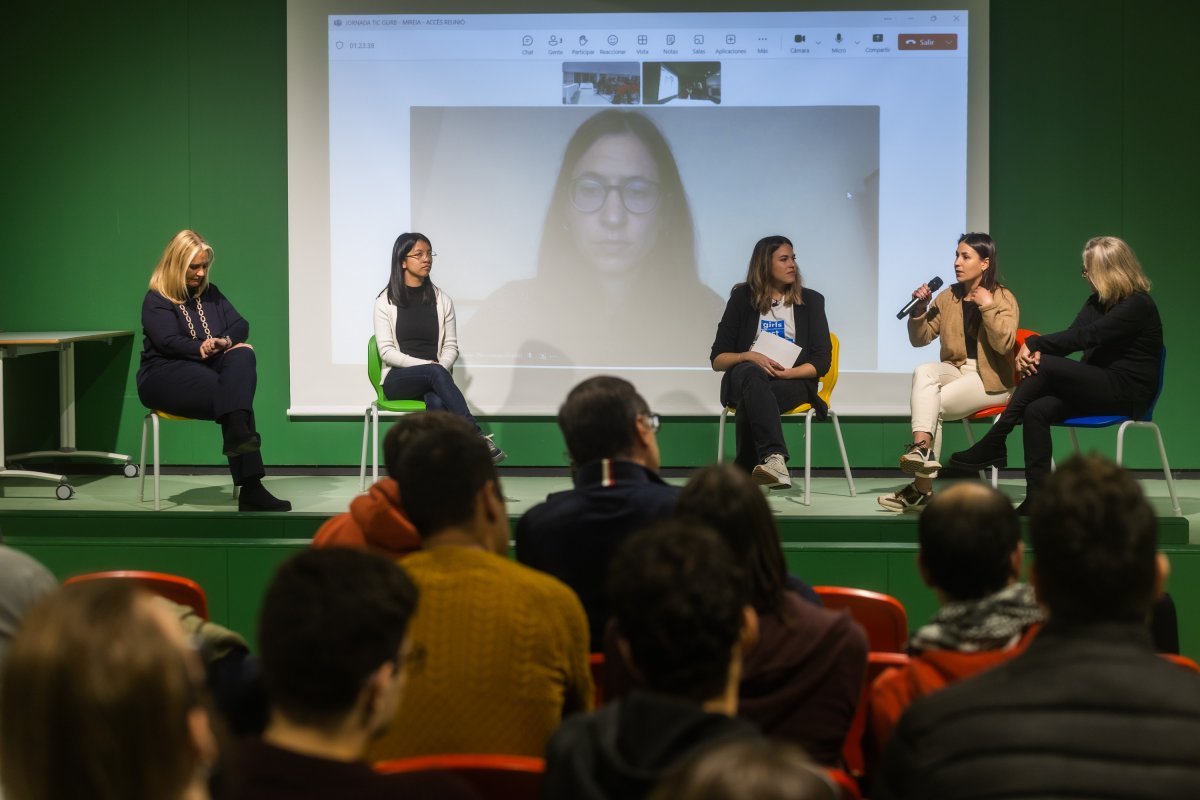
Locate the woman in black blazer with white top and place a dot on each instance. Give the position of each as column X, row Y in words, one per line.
column 772, row 301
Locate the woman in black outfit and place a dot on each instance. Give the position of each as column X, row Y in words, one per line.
column 772, row 301
column 1119, row 332
column 196, row 362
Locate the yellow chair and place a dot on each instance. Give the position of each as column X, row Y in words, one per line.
column 380, row 405
column 153, row 417
column 824, row 391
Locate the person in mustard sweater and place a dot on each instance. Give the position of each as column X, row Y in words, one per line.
column 505, row 648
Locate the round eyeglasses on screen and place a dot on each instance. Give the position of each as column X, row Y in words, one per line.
column 639, row 196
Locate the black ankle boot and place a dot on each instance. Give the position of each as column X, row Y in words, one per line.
column 238, row 432
column 255, row 497
column 990, row 451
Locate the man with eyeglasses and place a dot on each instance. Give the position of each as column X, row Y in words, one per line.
column 612, row 442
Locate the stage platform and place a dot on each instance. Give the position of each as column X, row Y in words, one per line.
column 839, row 539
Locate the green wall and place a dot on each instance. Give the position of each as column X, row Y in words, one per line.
column 125, row 122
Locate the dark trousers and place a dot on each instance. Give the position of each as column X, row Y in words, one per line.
column 208, row 389
column 432, row 383
column 759, row 400
column 1061, row 388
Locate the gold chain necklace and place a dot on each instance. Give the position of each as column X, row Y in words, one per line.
column 203, row 321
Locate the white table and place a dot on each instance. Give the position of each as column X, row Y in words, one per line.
column 21, row 343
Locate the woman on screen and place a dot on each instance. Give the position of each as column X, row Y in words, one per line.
column 771, row 302
column 976, row 321
column 616, row 263
column 1119, row 332
column 197, row 363
column 416, row 334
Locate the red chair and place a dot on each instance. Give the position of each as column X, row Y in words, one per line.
column 173, row 587
column 493, row 777
column 596, row 662
column 846, row 785
column 854, row 751
column 1182, row 661
column 881, row 615
column 994, row 412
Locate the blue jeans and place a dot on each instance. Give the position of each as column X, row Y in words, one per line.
column 432, row 383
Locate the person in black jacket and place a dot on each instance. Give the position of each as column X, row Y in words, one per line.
column 772, row 301
column 197, row 363
column 1120, row 335
column 1088, row 709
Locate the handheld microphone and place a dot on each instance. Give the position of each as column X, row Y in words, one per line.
column 934, row 285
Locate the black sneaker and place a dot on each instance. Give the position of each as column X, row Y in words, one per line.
column 981, row 455
column 494, row 450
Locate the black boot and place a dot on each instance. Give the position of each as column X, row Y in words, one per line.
column 237, row 429
column 990, row 451
column 255, row 497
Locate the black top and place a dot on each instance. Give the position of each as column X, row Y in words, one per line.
column 739, row 326
column 165, row 328
column 1085, row 711
column 621, row 751
column 574, row 534
column 970, row 313
column 1126, row 339
column 417, row 330
column 265, row 772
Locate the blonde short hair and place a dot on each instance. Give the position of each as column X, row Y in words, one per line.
column 1113, row 269
column 170, row 275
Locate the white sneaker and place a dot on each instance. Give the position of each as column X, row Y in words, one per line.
column 773, row 472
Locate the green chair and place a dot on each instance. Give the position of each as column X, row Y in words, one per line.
column 380, row 405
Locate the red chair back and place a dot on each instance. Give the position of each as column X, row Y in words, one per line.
column 599, row 677
column 493, row 777
column 1182, row 661
column 854, row 750
column 881, row 615
column 173, row 587
column 846, row 785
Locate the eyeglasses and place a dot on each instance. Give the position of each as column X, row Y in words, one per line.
column 639, row 196
column 422, row 256
column 652, row 422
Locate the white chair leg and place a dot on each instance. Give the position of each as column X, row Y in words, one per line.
column 808, row 417
column 1121, row 441
column 837, row 429
column 374, row 444
column 157, row 463
column 362, row 464
column 1162, row 454
column 1075, row 441
column 721, row 435
column 142, row 463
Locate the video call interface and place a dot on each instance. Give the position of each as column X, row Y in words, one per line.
column 847, row 132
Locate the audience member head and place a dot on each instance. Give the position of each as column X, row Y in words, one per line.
column 726, row 499
column 605, row 417
column 748, row 769
column 102, row 698
column 408, row 427
column 449, row 484
column 681, row 608
column 23, row 581
column 331, row 633
column 1113, row 269
column 1095, row 541
column 970, row 542
column 170, row 277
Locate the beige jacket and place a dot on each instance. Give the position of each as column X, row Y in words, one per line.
column 997, row 335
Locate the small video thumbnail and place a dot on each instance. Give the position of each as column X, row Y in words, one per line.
column 682, row 82
column 601, row 83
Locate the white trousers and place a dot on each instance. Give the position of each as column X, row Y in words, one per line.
column 942, row 391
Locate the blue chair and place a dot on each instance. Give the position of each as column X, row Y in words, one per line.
column 1129, row 422
column 380, row 405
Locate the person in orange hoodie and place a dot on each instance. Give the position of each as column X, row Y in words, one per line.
column 376, row 521
column 971, row 555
